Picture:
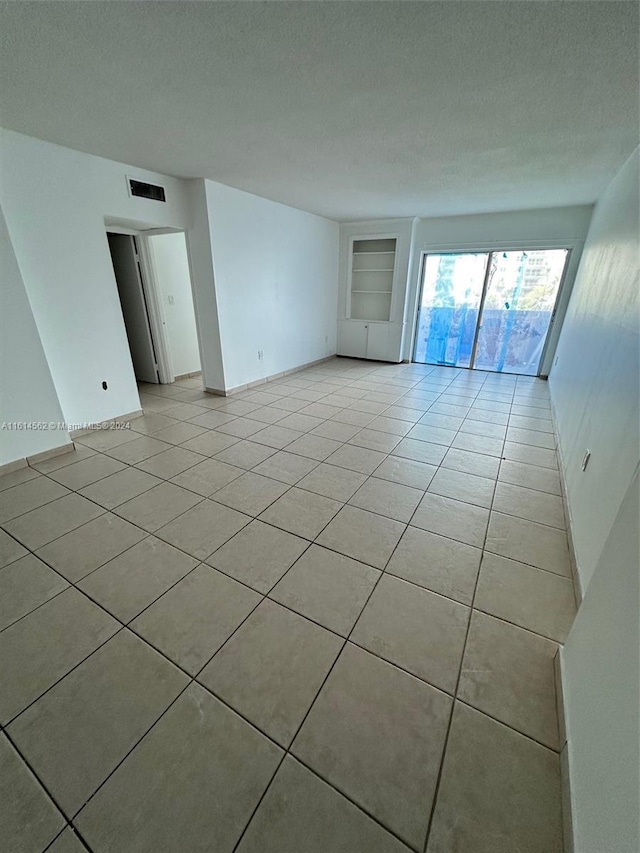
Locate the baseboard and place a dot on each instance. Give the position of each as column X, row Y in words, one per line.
column 573, row 562
column 565, row 780
column 23, row 462
column 187, row 375
column 119, row 420
column 228, row 392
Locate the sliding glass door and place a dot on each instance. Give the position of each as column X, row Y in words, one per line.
column 448, row 315
column 488, row 310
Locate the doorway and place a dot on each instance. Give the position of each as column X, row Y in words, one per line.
column 153, row 277
column 488, row 310
column 135, row 306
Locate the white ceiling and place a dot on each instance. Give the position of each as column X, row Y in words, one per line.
column 352, row 110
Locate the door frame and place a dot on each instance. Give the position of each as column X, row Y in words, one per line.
column 573, row 249
column 155, row 313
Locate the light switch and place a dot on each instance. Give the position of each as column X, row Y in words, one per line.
column 171, row 300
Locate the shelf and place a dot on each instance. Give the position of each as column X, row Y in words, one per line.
column 388, row 292
column 372, row 270
column 374, row 253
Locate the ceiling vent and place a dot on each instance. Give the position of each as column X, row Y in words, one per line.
column 142, row 190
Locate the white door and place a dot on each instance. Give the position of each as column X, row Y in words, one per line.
column 352, row 338
column 378, row 341
column 134, row 306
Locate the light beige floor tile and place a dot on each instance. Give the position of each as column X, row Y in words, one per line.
column 212, row 419
column 534, row 423
column 170, row 463
column 48, row 522
column 468, row 462
column 22, row 475
column 251, row 493
column 143, row 447
column 258, row 555
column 131, row 581
column 488, row 416
column 158, row 507
column 335, row 430
column 86, row 548
column 463, row 487
column 88, row 471
column 415, row 629
column 332, row 482
column 491, row 430
column 267, row 415
column 207, row 477
column 529, row 504
column 44, row 645
column 301, row 812
column 445, row 422
column 496, row 784
column 454, row 519
column 530, row 455
column 530, row 476
column 23, row 498
column 534, row 599
column 151, row 423
column 241, row 427
column 432, row 434
column 286, row 467
column 365, row 536
column 407, row 472
column 302, row 513
column 436, row 563
column 276, row 436
column 420, row 451
column 179, row 433
column 30, row 820
column 24, row 585
column 245, row 454
column 527, row 411
column 194, row 618
column 359, row 459
column 210, row 443
column 76, row 454
column 203, row 528
column 351, row 417
column 182, row 412
column 372, row 439
column 328, row 588
column 478, row 444
column 107, row 439
column 272, row 668
column 508, row 673
column 76, row 734
column 241, row 408
column 531, row 436
column 394, row 426
column 314, row 447
column 120, row 487
column 300, row 423
column 10, row 549
column 392, row 500
column 357, row 738
column 207, row 769
column 528, row 542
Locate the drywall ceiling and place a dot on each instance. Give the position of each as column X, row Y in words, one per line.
column 348, row 109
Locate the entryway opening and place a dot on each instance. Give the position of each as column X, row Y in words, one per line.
column 154, row 285
column 488, row 310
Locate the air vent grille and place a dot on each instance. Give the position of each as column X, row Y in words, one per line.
column 139, row 188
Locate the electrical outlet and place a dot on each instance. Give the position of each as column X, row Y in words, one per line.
column 556, row 361
column 171, row 300
column 260, row 355
column 326, row 339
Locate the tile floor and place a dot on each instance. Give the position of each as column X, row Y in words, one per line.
column 315, row 617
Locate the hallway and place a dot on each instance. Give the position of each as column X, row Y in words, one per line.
column 316, row 616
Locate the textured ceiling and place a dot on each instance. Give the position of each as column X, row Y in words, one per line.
column 351, row 110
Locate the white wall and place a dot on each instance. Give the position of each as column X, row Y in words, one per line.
column 27, row 393
column 602, row 695
column 554, row 227
column 55, row 202
column 171, row 265
column 276, row 282
column 594, row 386
column 594, row 390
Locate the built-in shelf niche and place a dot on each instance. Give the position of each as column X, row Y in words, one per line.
column 372, row 269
